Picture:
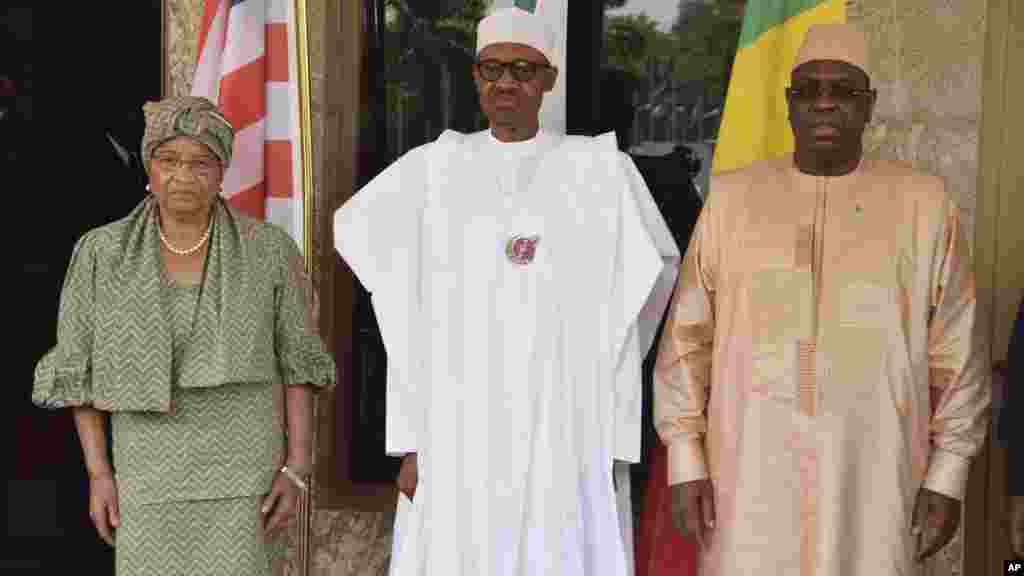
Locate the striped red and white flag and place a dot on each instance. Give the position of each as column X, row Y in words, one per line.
column 247, row 64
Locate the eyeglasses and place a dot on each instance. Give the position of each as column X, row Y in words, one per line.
column 199, row 166
column 521, row 70
column 810, row 91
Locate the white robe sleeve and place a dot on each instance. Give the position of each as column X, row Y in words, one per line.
column 377, row 232
column 664, row 242
column 645, row 272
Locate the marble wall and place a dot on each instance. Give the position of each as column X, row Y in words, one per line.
column 182, row 29
column 927, row 67
column 927, row 60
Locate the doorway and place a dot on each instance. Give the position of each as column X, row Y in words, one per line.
column 80, row 74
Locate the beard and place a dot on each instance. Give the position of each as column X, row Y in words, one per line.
column 505, row 117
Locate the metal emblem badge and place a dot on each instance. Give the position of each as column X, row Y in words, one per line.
column 521, row 249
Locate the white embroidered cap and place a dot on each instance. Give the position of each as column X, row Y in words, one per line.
column 516, row 26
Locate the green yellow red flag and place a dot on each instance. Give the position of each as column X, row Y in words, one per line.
column 755, row 122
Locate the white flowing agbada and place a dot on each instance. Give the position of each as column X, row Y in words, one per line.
column 517, row 385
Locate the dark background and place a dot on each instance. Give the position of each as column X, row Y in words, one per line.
column 81, row 72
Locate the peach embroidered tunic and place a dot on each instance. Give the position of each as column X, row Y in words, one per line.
column 822, row 362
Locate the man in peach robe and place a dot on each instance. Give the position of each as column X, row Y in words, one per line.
column 822, row 383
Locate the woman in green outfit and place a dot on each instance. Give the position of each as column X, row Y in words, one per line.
column 191, row 326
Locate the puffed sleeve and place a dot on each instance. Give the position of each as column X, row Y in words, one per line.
column 301, row 355
column 63, row 377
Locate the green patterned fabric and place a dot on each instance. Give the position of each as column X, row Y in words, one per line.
column 253, row 322
column 195, row 378
column 201, row 538
column 191, row 116
column 220, row 442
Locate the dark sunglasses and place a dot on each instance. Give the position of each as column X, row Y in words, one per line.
column 811, row 91
column 521, row 70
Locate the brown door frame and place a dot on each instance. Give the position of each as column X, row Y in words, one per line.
column 344, row 105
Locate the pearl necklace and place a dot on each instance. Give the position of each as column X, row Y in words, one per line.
column 186, row 251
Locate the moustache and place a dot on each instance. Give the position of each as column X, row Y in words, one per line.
column 825, row 121
column 834, row 126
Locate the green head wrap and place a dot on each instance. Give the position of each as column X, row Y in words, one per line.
column 190, row 116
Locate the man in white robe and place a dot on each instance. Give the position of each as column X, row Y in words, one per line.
column 518, row 277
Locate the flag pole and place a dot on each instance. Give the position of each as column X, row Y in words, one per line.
column 305, row 128
column 301, row 21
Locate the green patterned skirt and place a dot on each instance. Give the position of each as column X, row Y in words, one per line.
column 196, row 538
column 190, row 481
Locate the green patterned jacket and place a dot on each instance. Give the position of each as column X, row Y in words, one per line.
column 253, row 322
